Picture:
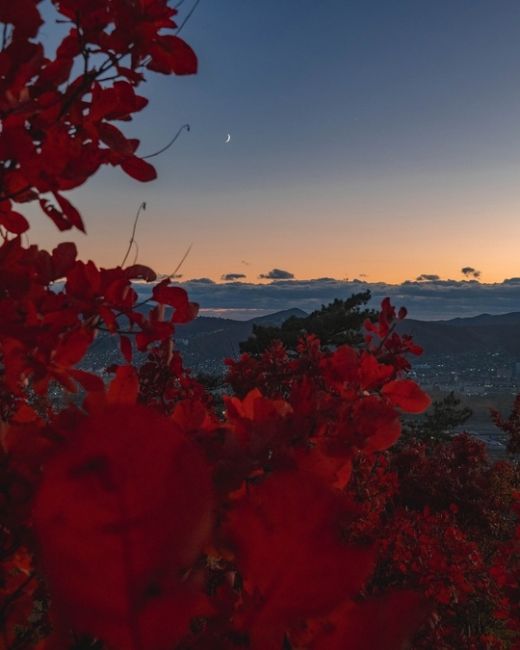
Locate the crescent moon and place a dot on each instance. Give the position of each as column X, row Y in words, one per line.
column 228, row 139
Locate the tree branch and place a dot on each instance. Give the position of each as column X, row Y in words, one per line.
column 172, row 141
column 132, row 237
column 172, row 275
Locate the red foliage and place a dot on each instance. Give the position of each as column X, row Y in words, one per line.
column 286, row 580
column 144, row 520
column 57, row 115
column 134, row 511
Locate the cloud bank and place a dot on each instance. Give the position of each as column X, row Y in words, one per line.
column 426, row 300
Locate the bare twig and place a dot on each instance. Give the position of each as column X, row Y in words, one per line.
column 189, row 15
column 136, row 253
column 132, row 238
column 172, row 141
column 172, row 275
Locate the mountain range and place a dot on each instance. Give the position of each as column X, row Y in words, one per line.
column 207, row 341
column 483, row 333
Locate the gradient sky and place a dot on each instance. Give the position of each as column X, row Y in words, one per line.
column 368, row 137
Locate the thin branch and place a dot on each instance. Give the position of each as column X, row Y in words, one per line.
column 190, row 14
column 136, row 252
column 172, row 141
column 172, row 275
column 147, row 300
column 102, row 328
column 132, row 238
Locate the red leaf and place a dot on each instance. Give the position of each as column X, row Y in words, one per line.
column 54, row 214
column 56, row 72
column 172, row 54
column 83, row 280
column 377, row 422
column 13, row 222
column 114, row 139
column 70, row 212
column 372, row 373
column 87, row 380
column 126, row 348
column 124, row 388
column 139, row 169
column 70, row 45
column 128, row 496
column 291, row 556
column 186, row 313
column 190, row 415
column 23, row 15
column 405, row 394
column 63, row 258
column 341, row 366
column 72, row 348
column 15, row 183
column 167, row 295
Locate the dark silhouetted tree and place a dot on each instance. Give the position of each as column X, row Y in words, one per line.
column 439, row 423
column 337, row 323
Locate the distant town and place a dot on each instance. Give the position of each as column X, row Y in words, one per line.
column 471, row 373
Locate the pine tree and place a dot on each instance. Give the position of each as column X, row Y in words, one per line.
column 338, row 323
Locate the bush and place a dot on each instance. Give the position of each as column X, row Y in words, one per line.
column 135, row 515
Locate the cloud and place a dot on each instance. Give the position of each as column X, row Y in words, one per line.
column 427, row 277
column 230, row 277
column 201, row 281
column 277, row 274
column 436, row 300
column 470, row 272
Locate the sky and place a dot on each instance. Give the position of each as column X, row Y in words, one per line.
column 369, row 139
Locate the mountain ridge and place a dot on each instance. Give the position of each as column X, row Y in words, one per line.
column 207, row 340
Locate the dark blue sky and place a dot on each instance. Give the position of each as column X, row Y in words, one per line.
column 377, row 137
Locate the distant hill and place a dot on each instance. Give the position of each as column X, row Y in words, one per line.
column 204, row 342
column 483, row 333
column 207, row 341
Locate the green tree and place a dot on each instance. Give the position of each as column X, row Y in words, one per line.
column 438, row 423
column 340, row 322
